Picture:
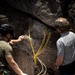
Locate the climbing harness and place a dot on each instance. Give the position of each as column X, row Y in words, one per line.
column 39, row 51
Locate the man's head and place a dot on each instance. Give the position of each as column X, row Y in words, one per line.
column 6, row 30
column 62, row 24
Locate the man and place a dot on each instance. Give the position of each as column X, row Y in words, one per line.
column 6, row 60
column 65, row 61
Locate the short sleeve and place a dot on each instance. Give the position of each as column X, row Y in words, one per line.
column 60, row 48
column 8, row 50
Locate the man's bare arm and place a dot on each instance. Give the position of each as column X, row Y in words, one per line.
column 59, row 61
column 13, row 64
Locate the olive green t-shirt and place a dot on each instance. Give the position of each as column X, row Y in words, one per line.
column 5, row 49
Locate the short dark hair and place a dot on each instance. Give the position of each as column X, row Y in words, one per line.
column 62, row 24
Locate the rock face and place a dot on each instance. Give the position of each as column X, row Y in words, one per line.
column 45, row 10
column 40, row 14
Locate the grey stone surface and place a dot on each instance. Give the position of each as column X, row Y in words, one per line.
column 41, row 15
column 45, row 10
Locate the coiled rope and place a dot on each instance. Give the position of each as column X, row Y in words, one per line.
column 39, row 51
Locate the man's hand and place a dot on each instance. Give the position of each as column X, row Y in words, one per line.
column 15, row 41
column 20, row 38
column 27, row 37
column 24, row 74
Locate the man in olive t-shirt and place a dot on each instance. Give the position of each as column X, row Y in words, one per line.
column 6, row 59
column 5, row 49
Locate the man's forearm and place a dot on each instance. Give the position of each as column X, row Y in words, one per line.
column 59, row 61
column 15, row 68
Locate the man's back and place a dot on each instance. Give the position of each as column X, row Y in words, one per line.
column 67, row 47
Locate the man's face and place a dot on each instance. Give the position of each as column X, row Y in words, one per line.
column 9, row 37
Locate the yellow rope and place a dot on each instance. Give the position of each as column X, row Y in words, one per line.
column 31, row 41
column 42, row 49
column 39, row 51
column 42, row 44
column 42, row 64
column 44, row 69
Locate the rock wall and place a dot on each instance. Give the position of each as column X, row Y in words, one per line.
column 41, row 14
column 45, row 10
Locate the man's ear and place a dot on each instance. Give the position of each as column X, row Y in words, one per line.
column 58, row 30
